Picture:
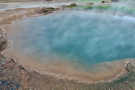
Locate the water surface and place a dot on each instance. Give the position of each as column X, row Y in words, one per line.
column 76, row 36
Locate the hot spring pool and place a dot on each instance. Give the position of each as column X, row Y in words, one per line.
column 76, row 36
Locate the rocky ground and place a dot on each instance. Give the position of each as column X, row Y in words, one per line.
column 7, row 16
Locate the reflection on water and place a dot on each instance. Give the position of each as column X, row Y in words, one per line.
column 82, row 37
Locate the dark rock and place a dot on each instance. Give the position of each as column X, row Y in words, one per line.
column 3, row 40
column 105, row 1
column 115, row 0
column 130, row 67
column 47, row 10
column 72, row 5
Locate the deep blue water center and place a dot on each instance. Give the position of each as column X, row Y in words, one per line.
column 84, row 37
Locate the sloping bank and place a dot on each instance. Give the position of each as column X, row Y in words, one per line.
column 16, row 76
column 7, row 16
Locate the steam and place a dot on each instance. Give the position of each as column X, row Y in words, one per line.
column 80, row 36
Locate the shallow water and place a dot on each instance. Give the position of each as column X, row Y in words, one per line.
column 76, row 36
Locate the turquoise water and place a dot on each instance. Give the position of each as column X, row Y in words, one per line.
column 83, row 37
